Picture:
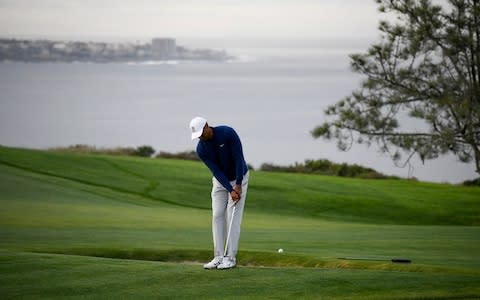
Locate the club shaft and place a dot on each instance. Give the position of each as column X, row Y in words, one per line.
column 229, row 230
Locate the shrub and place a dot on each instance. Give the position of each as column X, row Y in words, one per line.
column 473, row 182
column 326, row 167
column 144, row 151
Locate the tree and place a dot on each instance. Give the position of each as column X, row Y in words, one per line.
column 425, row 67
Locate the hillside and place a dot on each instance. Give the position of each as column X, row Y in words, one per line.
column 186, row 183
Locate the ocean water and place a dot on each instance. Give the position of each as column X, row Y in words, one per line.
column 273, row 96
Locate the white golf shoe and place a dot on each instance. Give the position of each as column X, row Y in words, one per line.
column 216, row 261
column 227, row 263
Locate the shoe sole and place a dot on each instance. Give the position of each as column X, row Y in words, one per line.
column 227, row 268
column 212, row 268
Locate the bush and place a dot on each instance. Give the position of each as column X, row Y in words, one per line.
column 326, row 167
column 473, row 182
column 144, row 151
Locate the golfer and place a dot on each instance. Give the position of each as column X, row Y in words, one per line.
column 221, row 150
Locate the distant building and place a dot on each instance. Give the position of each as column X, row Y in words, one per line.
column 164, row 48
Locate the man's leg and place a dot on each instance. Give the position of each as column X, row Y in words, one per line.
column 237, row 219
column 220, row 197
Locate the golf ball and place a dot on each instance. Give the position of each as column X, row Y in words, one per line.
column 280, row 250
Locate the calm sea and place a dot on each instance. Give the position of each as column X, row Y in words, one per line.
column 273, row 96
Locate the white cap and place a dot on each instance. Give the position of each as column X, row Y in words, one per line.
column 196, row 125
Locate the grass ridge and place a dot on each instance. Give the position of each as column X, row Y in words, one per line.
column 185, row 184
column 152, row 184
column 115, row 189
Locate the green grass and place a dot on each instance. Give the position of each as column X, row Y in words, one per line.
column 93, row 226
column 46, row 276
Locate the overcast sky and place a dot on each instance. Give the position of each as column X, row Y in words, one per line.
column 306, row 19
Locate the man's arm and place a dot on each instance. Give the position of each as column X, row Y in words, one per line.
column 217, row 173
column 237, row 151
column 235, row 193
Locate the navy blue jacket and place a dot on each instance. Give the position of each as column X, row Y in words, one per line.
column 223, row 155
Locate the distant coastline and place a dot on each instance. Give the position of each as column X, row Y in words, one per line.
column 160, row 49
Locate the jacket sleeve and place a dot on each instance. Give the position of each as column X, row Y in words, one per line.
column 237, row 152
column 217, row 173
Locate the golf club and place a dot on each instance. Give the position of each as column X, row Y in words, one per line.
column 229, row 230
column 393, row 260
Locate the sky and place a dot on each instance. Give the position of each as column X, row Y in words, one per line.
column 276, row 19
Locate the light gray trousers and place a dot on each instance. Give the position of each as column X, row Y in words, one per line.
column 222, row 208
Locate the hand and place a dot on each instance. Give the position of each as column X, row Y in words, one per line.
column 238, row 188
column 236, row 193
column 235, row 196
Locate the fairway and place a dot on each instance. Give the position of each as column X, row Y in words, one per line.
column 100, row 227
